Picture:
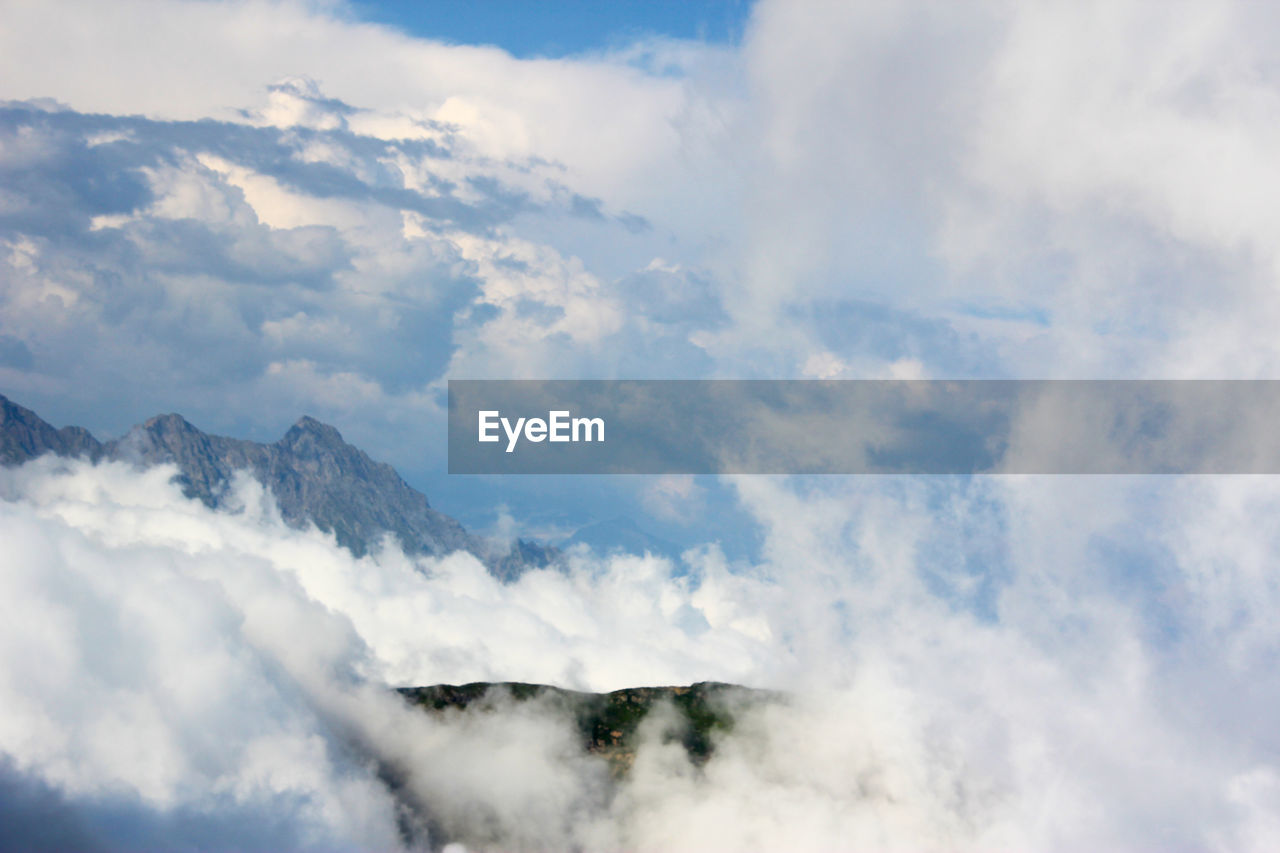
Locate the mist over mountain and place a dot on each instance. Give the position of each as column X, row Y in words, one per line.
column 315, row 476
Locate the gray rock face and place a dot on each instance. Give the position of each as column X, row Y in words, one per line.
column 25, row 435
column 315, row 476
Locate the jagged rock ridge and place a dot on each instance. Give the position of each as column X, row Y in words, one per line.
column 314, row 475
column 25, row 435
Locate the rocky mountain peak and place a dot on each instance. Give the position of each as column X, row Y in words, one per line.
column 315, row 476
column 171, row 423
column 163, row 438
column 311, row 433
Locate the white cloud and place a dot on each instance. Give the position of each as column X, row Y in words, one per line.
column 606, row 119
column 196, row 660
column 857, row 191
column 675, row 497
column 1098, row 168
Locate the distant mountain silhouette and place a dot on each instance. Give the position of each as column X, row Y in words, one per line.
column 314, row 475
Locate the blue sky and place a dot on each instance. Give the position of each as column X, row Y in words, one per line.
column 566, row 27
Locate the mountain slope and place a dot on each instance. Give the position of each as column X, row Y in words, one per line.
column 25, row 435
column 314, row 475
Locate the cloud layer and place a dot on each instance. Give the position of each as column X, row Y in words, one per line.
column 970, row 667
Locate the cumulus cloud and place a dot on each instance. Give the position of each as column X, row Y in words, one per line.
column 195, row 689
column 344, row 272
column 987, row 192
column 854, row 188
column 1074, row 188
column 966, row 670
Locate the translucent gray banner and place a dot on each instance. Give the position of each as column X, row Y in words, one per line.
column 864, row 427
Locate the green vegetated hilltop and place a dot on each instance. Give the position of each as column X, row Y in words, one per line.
column 609, row 724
